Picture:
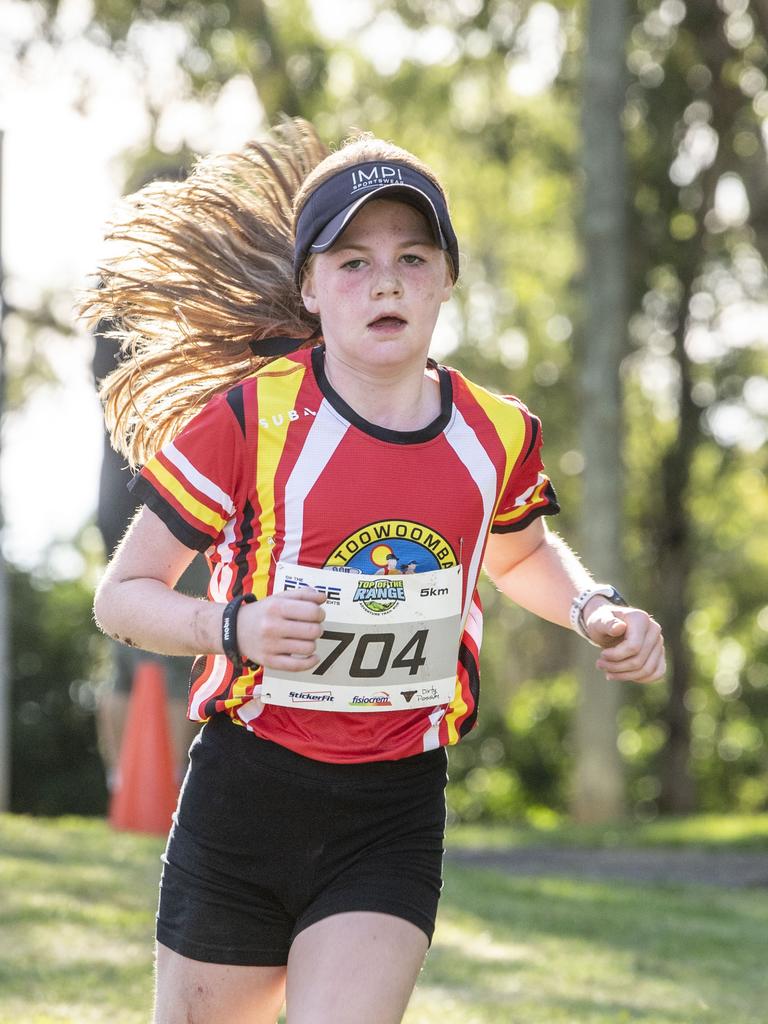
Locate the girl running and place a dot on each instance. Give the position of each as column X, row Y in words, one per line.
column 278, row 308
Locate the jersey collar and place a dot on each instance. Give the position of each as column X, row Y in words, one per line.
column 427, row 433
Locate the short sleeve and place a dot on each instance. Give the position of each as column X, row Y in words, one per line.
column 528, row 493
column 192, row 483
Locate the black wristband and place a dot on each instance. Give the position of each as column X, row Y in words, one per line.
column 229, row 632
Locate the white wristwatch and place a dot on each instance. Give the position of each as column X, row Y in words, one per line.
column 577, row 606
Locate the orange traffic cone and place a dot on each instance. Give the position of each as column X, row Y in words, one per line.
column 146, row 793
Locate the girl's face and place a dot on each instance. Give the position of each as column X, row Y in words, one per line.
column 378, row 291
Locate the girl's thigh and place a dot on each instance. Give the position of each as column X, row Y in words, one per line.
column 194, row 992
column 354, row 967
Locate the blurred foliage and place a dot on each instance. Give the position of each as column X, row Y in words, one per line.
column 55, row 650
column 516, row 763
column 470, row 89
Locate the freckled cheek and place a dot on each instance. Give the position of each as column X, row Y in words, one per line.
column 337, row 308
column 341, row 289
column 349, row 288
column 347, row 302
column 428, row 293
column 333, row 301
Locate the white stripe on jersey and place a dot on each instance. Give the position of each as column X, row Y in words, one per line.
column 474, row 626
column 431, row 739
column 324, row 437
column 250, row 711
column 214, row 681
column 221, row 580
column 522, row 498
column 195, row 477
column 464, row 441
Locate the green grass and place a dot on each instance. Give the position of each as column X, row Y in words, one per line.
column 76, row 921
column 704, row 832
column 76, row 925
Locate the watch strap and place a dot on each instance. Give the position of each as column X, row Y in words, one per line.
column 579, row 602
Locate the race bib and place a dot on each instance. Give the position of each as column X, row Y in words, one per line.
column 389, row 643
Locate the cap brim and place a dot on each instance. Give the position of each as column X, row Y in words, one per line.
column 407, row 193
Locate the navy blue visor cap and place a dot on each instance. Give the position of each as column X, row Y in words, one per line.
column 333, row 204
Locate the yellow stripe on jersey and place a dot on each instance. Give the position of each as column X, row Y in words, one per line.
column 277, row 388
column 240, row 688
column 201, row 512
column 509, row 423
column 458, row 710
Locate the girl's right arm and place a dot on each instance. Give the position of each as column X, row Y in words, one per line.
column 137, row 605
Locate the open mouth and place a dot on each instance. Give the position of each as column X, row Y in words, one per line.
column 387, row 323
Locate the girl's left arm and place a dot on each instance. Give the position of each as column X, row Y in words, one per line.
column 537, row 570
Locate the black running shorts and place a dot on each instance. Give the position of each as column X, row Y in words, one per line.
column 266, row 842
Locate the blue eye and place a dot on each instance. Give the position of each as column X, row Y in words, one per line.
column 352, row 264
column 412, row 259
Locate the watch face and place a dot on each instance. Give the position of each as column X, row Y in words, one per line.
column 615, row 597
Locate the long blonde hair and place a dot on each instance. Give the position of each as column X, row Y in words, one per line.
column 203, row 267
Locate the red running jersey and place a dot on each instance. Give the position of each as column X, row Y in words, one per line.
column 281, row 468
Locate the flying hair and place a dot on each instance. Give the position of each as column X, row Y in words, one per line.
column 198, row 269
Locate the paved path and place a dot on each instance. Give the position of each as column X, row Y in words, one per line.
column 673, row 867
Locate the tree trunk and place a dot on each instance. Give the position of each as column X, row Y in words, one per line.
column 598, row 785
column 276, row 89
column 678, row 793
column 675, row 553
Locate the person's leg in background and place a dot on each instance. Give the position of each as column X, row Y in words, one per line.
column 182, row 730
column 114, row 699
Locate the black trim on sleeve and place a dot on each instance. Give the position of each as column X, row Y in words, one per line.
column 466, row 658
column 534, row 436
column 428, row 433
column 551, row 509
column 179, row 527
column 235, row 402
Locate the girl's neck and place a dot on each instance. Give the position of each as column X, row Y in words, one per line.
column 398, row 398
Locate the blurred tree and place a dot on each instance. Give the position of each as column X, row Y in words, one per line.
column 598, row 785
column 54, row 646
column 278, row 49
column 695, row 112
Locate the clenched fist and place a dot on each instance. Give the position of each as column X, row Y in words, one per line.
column 632, row 642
